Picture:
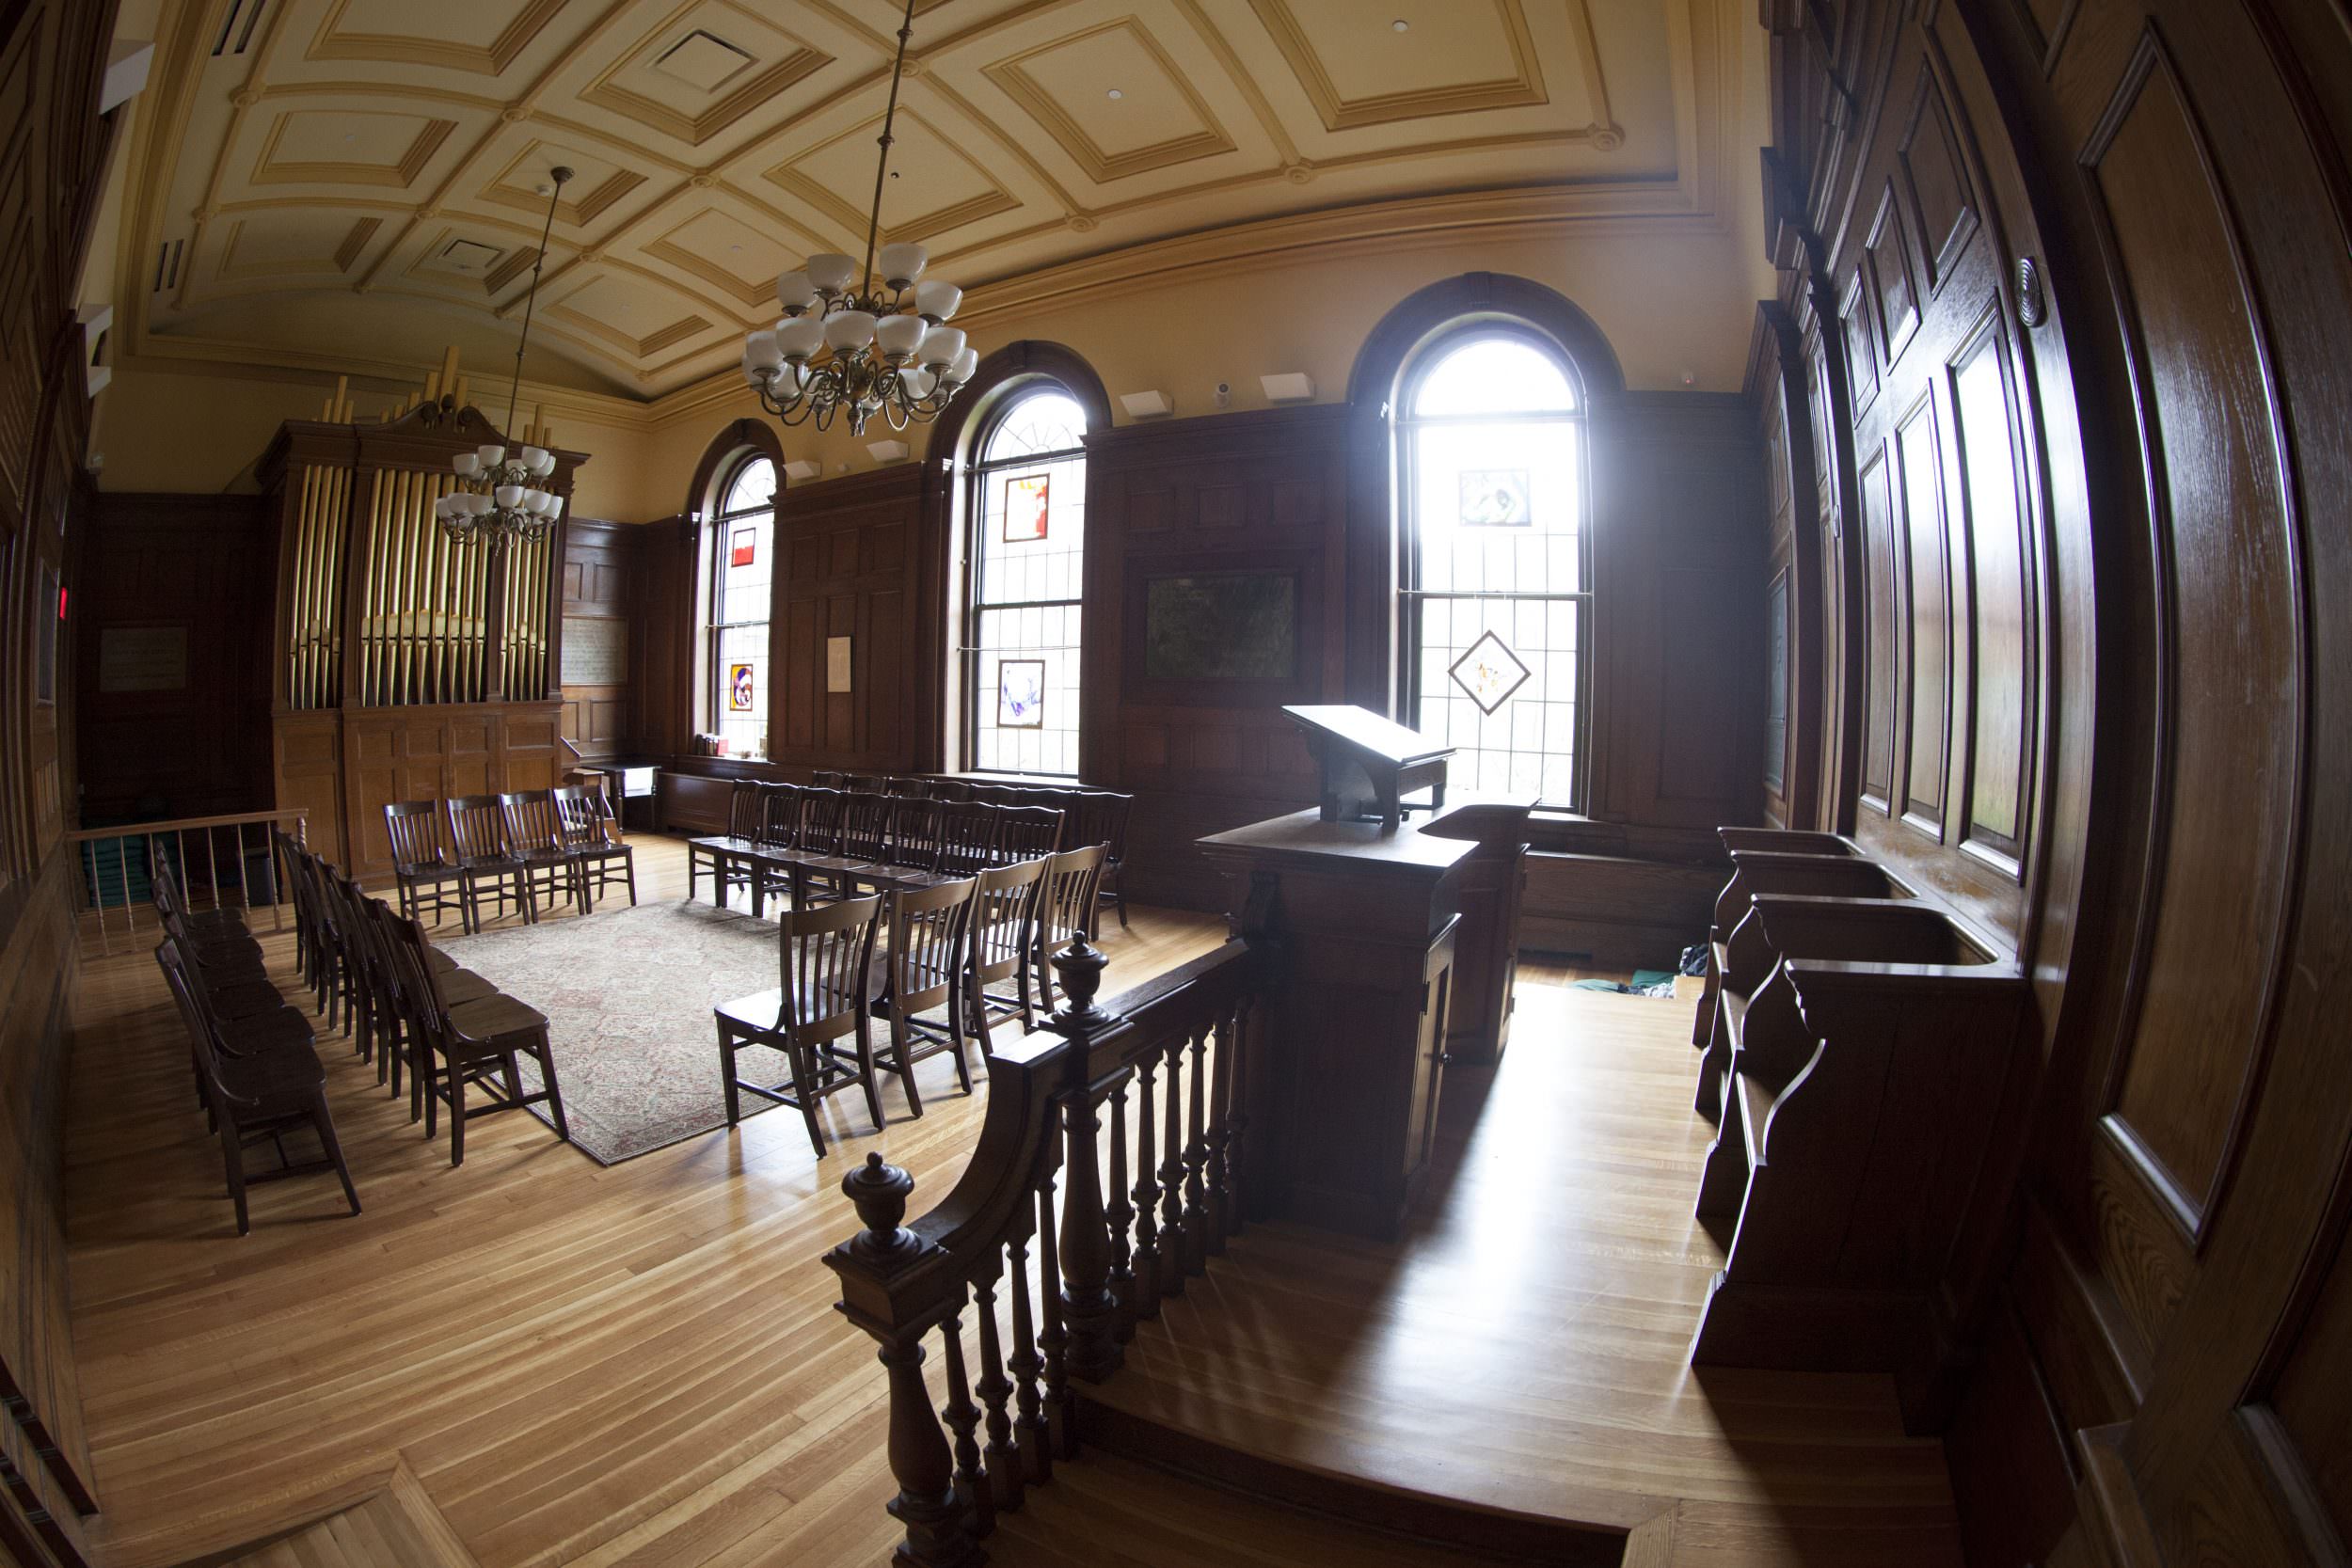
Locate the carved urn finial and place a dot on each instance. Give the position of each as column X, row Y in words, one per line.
column 878, row 1192
column 1080, row 966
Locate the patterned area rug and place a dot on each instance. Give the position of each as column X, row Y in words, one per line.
column 628, row 993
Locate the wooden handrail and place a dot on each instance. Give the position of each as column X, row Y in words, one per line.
column 901, row 1280
column 295, row 818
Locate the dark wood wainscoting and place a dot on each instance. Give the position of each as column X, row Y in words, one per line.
column 52, row 54
column 171, row 607
column 602, row 636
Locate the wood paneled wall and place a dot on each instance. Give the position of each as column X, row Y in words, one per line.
column 603, row 640
column 52, row 151
column 2071, row 296
column 157, row 571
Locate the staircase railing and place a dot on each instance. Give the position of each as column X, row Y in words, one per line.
column 1179, row 1047
column 117, row 863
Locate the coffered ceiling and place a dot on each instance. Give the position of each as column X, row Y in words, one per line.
column 350, row 184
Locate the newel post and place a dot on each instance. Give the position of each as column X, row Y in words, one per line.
column 1088, row 1309
column 938, row 1532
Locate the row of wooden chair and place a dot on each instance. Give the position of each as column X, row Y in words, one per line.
column 257, row 1074
column 1093, row 815
column 455, row 1038
column 807, row 838
column 516, row 847
column 922, row 945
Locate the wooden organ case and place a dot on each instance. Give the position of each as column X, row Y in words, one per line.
column 406, row 665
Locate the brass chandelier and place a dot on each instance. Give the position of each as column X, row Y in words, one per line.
column 845, row 347
column 498, row 498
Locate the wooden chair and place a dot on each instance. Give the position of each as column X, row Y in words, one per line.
column 862, row 783
column 779, row 840
column 907, row 786
column 826, row 778
column 259, row 1097
column 1004, row 932
column 536, row 836
column 404, row 1037
column 477, row 837
column 728, row 855
column 820, row 838
column 473, row 1045
column 594, row 835
column 966, row 839
column 924, row 969
column 1099, row 817
column 1065, row 909
column 951, row 789
column 247, row 1020
column 913, row 832
column 825, row 992
column 422, row 870
column 1026, row 833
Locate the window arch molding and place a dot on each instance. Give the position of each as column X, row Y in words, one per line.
column 953, row 452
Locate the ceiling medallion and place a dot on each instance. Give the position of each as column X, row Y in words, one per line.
column 845, row 347
column 498, row 498
column 1490, row 672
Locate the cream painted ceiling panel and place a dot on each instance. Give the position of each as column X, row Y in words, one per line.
column 383, row 161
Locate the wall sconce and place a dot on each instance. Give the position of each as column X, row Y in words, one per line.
column 801, row 470
column 887, row 451
column 1289, row 387
column 1146, row 405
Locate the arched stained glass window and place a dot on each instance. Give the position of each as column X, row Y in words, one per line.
column 1496, row 571
column 743, row 566
column 1025, row 576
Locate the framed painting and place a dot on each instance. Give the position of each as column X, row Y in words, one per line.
column 1028, row 507
column 1020, row 693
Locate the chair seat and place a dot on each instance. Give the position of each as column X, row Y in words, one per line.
column 763, row 1012
column 236, row 999
column 457, row 987
column 274, row 1077
column 724, row 844
column 438, row 961
column 260, row 1034
column 425, row 871
column 493, row 1016
column 488, row 862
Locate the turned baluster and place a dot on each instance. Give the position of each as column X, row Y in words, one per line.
column 1146, row 1294
column 927, row 1505
column 1221, row 1114
column 1002, row 1460
column 1053, row 1337
column 1025, row 1363
column 1237, row 1120
column 1197, row 1160
column 1120, row 1282
column 963, row 1419
column 1082, row 1313
column 1171, row 1270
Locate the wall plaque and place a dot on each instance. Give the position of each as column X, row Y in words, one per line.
column 1221, row 626
column 596, row 650
column 143, row 658
column 836, row 664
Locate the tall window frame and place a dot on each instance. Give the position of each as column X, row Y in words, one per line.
column 741, row 598
column 1447, row 604
column 1021, row 604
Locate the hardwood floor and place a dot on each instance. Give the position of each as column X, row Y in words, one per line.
column 640, row 1365
column 1525, row 1347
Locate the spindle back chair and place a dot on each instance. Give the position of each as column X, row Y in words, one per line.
column 824, row 991
column 1065, row 910
column 421, row 866
column 534, row 835
column 592, row 833
column 925, row 969
column 1003, row 935
column 477, row 837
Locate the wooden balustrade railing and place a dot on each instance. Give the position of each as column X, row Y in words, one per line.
column 1111, row 1219
column 111, row 882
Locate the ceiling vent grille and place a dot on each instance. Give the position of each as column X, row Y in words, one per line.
column 167, row 264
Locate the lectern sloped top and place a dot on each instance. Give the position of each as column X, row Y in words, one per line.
column 1368, row 761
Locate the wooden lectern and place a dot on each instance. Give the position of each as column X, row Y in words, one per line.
column 1369, row 763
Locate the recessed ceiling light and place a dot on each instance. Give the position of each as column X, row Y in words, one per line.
column 1115, row 94
column 1400, row 26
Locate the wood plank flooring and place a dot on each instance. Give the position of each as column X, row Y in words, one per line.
column 1525, row 1347
column 640, row 1365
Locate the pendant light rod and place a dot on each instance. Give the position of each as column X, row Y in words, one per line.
column 881, row 164
column 558, row 174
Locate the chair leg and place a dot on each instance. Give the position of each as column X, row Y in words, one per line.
column 726, row 1073
column 232, row 1157
column 324, row 1124
column 866, row 1073
column 901, row 1047
column 546, row 1054
column 456, row 1114
column 631, row 864
column 804, row 1091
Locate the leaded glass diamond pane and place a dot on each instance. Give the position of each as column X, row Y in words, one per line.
column 1489, row 672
